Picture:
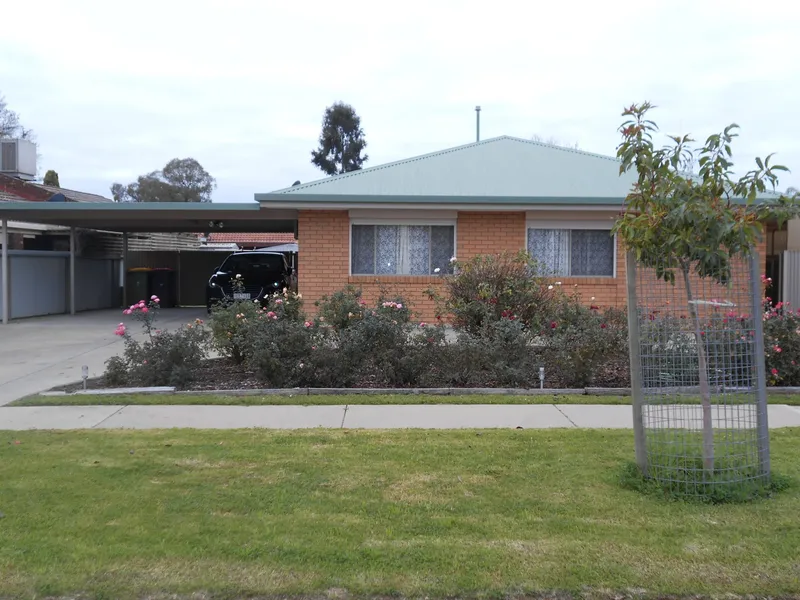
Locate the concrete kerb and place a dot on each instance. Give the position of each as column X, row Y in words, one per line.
column 342, row 392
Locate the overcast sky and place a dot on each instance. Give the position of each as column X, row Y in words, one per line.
column 116, row 89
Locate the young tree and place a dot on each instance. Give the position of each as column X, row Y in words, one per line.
column 51, row 178
column 181, row 180
column 677, row 221
column 341, row 141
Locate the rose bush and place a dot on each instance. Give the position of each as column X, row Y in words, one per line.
column 494, row 287
column 162, row 358
column 782, row 344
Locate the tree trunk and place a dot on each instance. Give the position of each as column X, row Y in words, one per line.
column 705, row 388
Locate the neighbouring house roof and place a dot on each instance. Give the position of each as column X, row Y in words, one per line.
column 7, row 197
column 501, row 172
column 250, row 239
column 74, row 195
column 17, row 190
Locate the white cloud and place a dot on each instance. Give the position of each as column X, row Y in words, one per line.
column 115, row 90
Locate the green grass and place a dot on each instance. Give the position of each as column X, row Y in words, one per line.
column 121, row 514
column 189, row 398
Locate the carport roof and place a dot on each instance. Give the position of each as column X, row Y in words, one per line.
column 153, row 217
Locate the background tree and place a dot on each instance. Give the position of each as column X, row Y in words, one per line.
column 10, row 126
column 553, row 142
column 341, row 141
column 181, row 180
column 51, row 178
column 678, row 221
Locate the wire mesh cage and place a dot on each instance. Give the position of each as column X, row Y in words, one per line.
column 698, row 379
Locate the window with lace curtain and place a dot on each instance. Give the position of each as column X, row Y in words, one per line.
column 401, row 249
column 573, row 252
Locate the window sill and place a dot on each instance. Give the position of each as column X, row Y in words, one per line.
column 393, row 279
column 589, row 280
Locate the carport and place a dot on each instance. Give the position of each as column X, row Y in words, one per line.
column 127, row 218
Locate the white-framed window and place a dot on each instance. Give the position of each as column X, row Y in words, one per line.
column 573, row 252
column 401, row 249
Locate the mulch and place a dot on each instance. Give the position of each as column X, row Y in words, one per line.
column 224, row 374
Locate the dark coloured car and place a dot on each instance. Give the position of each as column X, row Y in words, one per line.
column 248, row 276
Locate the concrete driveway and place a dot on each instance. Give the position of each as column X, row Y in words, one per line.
column 40, row 353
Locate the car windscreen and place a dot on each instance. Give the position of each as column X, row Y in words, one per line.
column 253, row 263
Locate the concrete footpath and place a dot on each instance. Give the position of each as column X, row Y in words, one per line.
column 441, row 416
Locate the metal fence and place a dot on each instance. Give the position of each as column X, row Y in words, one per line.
column 698, row 380
column 790, row 278
column 39, row 283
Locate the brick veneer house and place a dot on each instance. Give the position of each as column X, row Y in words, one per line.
column 397, row 225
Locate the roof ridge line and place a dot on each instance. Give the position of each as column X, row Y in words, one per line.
column 388, row 165
column 305, row 186
column 563, row 148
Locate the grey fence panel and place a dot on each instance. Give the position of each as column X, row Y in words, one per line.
column 96, row 284
column 38, row 283
column 791, row 277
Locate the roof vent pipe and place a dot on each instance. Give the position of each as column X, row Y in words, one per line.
column 477, row 123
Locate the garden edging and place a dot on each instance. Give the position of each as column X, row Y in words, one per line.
column 304, row 391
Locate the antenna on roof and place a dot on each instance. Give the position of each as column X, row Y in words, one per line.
column 477, row 123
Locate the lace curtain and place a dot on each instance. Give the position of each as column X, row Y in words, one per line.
column 564, row 252
column 550, row 248
column 401, row 249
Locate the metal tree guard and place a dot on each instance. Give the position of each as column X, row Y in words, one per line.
column 698, row 379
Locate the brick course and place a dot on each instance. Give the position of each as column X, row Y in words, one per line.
column 324, row 261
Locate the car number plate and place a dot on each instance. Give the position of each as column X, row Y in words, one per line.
column 241, row 296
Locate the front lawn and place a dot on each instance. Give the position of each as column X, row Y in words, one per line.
column 120, row 514
column 351, row 399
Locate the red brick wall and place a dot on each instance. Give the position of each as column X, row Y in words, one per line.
column 324, row 260
column 489, row 233
column 324, row 265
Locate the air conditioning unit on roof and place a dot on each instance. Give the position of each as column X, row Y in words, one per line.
column 18, row 159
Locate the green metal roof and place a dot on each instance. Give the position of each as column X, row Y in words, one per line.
column 149, row 217
column 493, row 170
column 499, row 172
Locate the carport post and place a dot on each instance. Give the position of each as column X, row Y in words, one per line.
column 72, row 270
column 124, row 269
column 4, row 269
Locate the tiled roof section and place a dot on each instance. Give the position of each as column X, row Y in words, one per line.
column 30, row 191
column 251, row 239
column 501, row 167
column 9, row 197
column 74, row 195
